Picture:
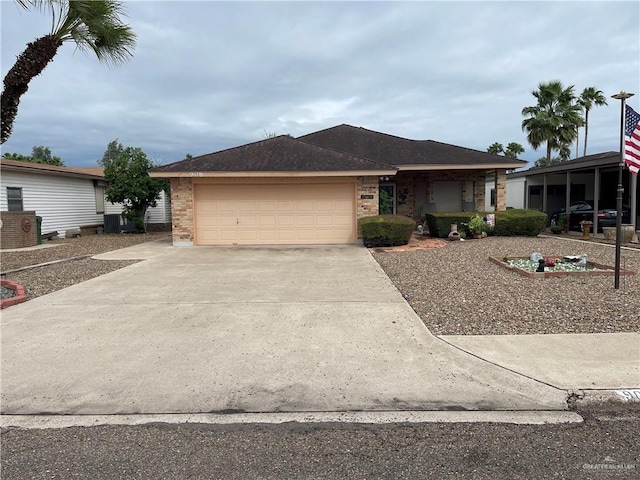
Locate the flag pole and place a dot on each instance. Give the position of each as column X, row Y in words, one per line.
column 622, row 96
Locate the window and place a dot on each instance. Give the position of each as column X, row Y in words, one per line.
column 493, row 197
column 99, row 199
column 14, row 199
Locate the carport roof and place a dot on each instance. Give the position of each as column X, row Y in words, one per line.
column 278, row 155
column 404, row 153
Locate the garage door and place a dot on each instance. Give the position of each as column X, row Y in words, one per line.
column 275, row 214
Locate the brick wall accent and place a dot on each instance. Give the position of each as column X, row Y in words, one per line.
column 366, row 207
column 182, row 211
column 14, row 232
column 501, row 190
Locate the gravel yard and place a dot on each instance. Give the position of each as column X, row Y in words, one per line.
column 47, row 279
column 454, row 289
column 457, row 291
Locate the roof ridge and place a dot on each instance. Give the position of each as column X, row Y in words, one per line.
column 342, row 152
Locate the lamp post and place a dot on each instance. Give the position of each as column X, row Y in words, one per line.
column 623, row 97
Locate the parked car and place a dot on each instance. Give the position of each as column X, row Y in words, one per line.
column 583, row 211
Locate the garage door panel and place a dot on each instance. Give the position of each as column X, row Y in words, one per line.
column 275, row 214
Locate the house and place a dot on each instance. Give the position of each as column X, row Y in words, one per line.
column 315, row 188
column 592, row 178
column 64, row 197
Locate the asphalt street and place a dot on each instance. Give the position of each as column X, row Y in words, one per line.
column 604, row 446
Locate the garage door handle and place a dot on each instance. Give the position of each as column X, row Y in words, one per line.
column 237, row 221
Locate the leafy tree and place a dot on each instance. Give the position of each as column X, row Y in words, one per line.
column 111, row 154
column 188, row 156
column 91, row 24
column 17, row 156
column 125, row 170
column 39, row 154
column 42, row 154
column 542, row 161
column 589, row 98
column 554, row 119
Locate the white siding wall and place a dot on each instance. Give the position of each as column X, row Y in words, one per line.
column 62, row 202
column 161, row 213
column 515, row 192
column 489, row 184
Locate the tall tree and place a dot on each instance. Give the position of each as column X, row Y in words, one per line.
column 39, row 154
column 42, row 154
column 495, row 148
column 129, row 182
column 589, row 98
column 111, row 154
column 554, row 119
column 513, row 150
column 91, row 24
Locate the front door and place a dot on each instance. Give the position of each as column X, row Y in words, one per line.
column 387, row 198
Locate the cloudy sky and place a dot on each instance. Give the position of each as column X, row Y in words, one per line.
column 211, row 75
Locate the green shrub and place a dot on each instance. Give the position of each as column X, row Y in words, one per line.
column 440, row 223
column 386, row 230
column 508, row 223
column 518, row 222
column 556, row 229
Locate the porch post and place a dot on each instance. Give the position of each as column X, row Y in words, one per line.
column 567, row 197
column 544, row 193
column 501, row 190
column 596, row 198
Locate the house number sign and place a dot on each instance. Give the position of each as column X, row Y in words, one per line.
column 366, row 197
column 196, row 174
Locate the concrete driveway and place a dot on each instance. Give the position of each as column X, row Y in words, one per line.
column 242, row 329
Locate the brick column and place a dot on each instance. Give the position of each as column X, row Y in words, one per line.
column 182, row 211
column 501, row 190
column 366, row 207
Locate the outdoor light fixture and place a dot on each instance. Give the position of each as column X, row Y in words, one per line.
column 623, row 97
column 386, row 179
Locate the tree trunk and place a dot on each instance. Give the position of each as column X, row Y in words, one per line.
column 29, row 64
column 548, row 153
column 586, row 130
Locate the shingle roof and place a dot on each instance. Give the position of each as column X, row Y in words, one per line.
column 398, row 151
column 587, row 162
column 43, row 168
column 279, row 154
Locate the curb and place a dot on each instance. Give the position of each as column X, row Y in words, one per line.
column 541, row 417
column 586, row 398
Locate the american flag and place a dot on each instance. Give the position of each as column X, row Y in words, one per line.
column 632, row 140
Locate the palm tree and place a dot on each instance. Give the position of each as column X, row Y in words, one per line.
column 513, row 150
column 495, row 148
column 553, row 120
column 589, row 97
column 91, row 24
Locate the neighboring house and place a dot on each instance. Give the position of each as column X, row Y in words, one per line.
column 514, row 193
column 64, row 197
column 314, row 189
column 593, row 178
column 157, row 218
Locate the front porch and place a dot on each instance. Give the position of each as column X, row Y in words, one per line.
column 416, row 193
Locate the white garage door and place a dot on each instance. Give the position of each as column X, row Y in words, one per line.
column 275, row 214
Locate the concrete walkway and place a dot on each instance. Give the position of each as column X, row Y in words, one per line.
column 199, row 330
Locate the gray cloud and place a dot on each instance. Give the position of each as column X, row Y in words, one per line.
column 211, row 75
